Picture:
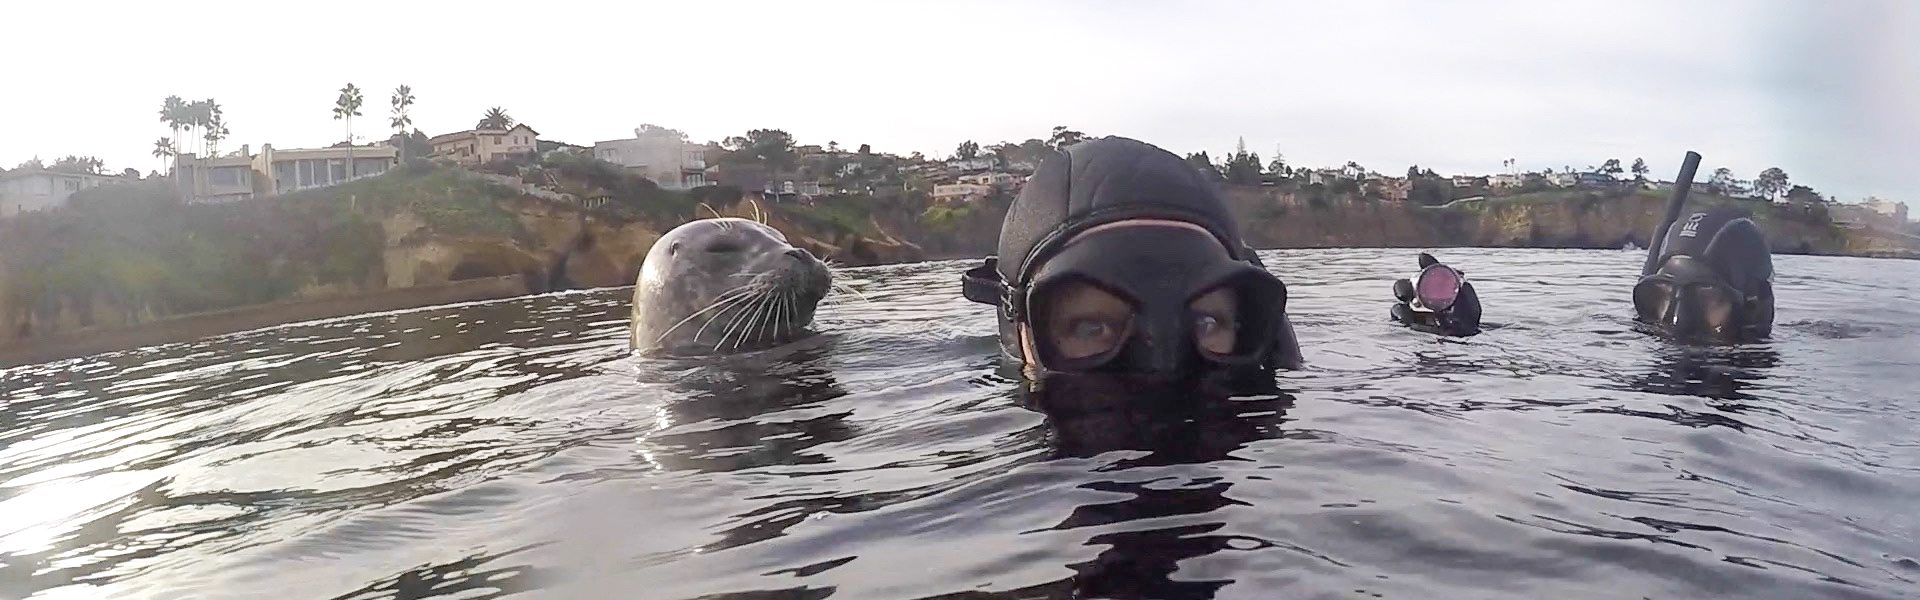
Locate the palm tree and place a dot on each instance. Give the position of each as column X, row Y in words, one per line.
column 216, row 127
column 346, row 107
column 163, row 150
column 199, row 117
column 495, row 119
column 173, row 112
column 402, row 100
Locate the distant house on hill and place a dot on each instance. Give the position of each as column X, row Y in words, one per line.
column 997, row 180
column 28, row 190
column 1897, row 211
column 1465, row 181
column 961, row 192
column 1563, row 179
column 240, row 176
column 971, row 164
column 1594, row 180
column 658, row 154
column 479, row 146
column 1393, row 189
column 1502, row 181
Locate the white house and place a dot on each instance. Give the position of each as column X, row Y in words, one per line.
column 961, row 192
column 28, row 190
column 1504, row 180
column 1563, row 179
column 997, row 180
column 659, row 154
column 972, row 164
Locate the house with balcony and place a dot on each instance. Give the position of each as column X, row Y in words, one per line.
column 1504, row 181
column 286, row 171
column 480, row 146
column 29, row 190
column 659, row 154
column 214, row 179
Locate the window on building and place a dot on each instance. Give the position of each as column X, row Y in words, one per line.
column 72, row 185
column 496, row 139
column 228, row 176
column 338, row 169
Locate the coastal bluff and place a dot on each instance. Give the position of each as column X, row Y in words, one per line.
column 133, row 257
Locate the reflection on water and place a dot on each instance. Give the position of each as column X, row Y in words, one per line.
column 506, row 448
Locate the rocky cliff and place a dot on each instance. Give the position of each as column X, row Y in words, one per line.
column 134, row 255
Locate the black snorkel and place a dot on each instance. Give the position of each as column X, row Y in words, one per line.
column 1675, row 204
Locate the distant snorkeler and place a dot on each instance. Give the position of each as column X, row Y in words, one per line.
column 1118, row 258
column 1439, row 300
column 1712, row 281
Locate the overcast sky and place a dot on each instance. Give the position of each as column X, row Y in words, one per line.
column 1828, row 91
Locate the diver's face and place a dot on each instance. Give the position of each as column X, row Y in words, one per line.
column 1084, row 321
column 1685, row 301
column 1149, row 300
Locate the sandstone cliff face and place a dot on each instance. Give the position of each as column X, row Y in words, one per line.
column 1276, row 220
column 556, row 245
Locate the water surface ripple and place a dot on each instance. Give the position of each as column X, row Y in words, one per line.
column 514, row 448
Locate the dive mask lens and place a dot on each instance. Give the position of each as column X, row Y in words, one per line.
column 1705, row 307
column 1079, row 325
column 1653, row 298
column 1234, row 324
column 1437, row 287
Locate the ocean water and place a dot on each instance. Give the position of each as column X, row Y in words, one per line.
column 514, row 448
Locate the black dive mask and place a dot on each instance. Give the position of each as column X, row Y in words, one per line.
column 1686, row 298
column 1153, row 300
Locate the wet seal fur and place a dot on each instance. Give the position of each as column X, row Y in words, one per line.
column 722, row 285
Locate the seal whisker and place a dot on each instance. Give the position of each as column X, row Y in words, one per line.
column 733, row 304
column 728, row 296
column 739, row 319
column 841, row 287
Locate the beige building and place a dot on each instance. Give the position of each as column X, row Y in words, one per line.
column 477, row 146
column 1504, row 180
column 214, row 179
column 659, row 154
column 1892, row 210
column 286, row 171
column 961, row 192
column 29, row 190
column 998, row 180
column 240, row 176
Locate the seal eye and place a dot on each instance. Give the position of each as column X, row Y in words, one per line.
column 674, row 249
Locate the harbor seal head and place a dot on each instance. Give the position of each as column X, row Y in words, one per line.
column 723, row 285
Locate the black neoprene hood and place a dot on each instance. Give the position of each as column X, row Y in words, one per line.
column 1102, row 181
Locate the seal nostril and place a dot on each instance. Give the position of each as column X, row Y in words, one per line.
column 800, row 253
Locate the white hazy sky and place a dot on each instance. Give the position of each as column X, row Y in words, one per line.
column 1827, row 90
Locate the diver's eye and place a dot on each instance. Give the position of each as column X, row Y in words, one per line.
column 1080, row 320
column 1215, row 330
column 1204, row 325
column 1092, row 330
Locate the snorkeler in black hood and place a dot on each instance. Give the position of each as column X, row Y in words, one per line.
column 1713, row 281
column 1439, row 300
column 1118, row 257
